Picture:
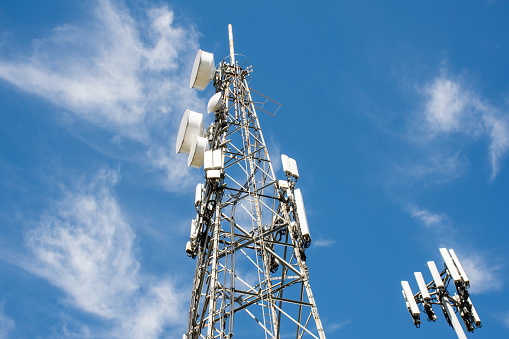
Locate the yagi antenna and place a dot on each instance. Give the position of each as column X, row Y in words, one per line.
column 437, row 293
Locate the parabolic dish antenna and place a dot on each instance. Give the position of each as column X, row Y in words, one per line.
column 190, row 127
column 215, row 103
column 198, row 148
column 203, row 70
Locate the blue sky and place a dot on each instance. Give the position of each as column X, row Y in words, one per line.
column 396, row 112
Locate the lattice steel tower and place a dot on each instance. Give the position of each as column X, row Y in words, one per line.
column 250, row 233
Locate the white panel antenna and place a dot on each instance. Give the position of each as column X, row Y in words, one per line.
column 409, row 297
column 198, row 196
column 213, row 159
column 203, row 70
column 477, row 320
column 285, row 160
column 290, row 166
column 197, row 151
column 459, row 267
column 451, row 268
column 422, row 286
column 301, row 212
column 439, row 284
column 294, row 169
column 191, row 126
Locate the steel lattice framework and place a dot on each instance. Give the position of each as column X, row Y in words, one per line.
column 249, row 250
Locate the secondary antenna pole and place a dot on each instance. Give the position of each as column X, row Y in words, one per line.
column 437, row 293
column 454, row 319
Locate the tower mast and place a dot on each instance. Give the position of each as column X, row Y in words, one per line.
column 250, row 234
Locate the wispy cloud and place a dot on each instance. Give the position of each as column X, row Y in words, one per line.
column 483, row 274
column 428, row 218
column 446, row 105
column 503, row 317
column 454, row 116
column 127, row 75
column 85, row 247
column 336, row 326
column 6, row 324
column 324, row 242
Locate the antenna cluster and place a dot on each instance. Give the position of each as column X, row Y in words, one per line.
column 248, row 224
column 437, row 293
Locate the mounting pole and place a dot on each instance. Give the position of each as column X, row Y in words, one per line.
column 454, row 319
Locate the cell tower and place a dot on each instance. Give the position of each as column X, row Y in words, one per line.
column 250, row 233
column 436, row 293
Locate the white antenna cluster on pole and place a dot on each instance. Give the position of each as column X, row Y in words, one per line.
column 251, row 232
column 437, row 293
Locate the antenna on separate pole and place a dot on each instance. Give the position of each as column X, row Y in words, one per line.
column 436, row 293
column 230, row 33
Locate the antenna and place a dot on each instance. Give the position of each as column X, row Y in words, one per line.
column 251, row 233
column 232, row 53
column 437, row 293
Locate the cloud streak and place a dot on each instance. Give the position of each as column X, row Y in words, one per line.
column 428, row 218
column 6, row 324
column 85, row 247
column 126, row 75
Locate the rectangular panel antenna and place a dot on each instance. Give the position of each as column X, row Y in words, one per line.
column 439, row 284
column 301, row 212
column 294, row 169
column 285, row 160
column 207, row 160
column 198, row 194
column 422, row 286
column 477, row 320
column 459, row 267
column 409, row 297
column 453, row 271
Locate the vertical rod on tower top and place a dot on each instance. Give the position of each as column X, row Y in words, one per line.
column 230, row 33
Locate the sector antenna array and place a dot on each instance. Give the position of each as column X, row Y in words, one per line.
column 438, row 293
column 250, row 234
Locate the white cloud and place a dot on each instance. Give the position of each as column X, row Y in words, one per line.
column 446, row 104
column 428, row 218
column 177, row 175
column 127, row 75
column 482, row 273
column 498, row 128
column 324, row 242
column 336, row 326
column 106, row 71
column 454, row 116
column 6, row 324
column 85, row 248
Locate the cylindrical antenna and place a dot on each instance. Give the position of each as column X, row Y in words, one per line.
column 232, row 54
